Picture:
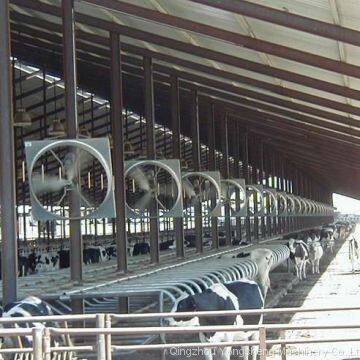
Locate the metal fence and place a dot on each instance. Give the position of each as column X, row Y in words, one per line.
column 102, row 329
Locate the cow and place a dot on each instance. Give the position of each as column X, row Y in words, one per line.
column 64, row 258
column 95, row 255
column 165, row 245
column 30, row 306
column 141, row 249
column 354, row 252
column 299, row 254
column 315, row 254
column 47, row 262
column 111, row 252
column 236, row 295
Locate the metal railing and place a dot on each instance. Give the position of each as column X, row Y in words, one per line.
column 106, row 327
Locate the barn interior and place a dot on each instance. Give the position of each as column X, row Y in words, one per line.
column 243, row 117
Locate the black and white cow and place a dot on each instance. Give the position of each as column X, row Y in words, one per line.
column 316, row 252
column 354, row 252
column 47, row 262
column 94, row 255
column 237, row 295
column 30, row 306
column 299, row 254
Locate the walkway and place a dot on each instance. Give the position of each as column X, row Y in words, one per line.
column 336, row 287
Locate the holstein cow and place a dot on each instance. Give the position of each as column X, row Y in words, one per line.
column 327, row 239
column 299, row 254
column 236, row 295
column 354, row 252
column 315, row 254
column 30, row 306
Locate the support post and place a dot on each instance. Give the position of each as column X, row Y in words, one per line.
column 151, row 153
column 37, row 335
column 212, row 167
column 196, row 154
column 100, row 342
column 7, row 169
column 262, row 343
column 176, row 146
column 69, row 61
column 245, row 163
column 226, row 172
column 237, row 174
column 117, row 125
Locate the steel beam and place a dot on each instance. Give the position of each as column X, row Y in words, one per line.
column 99, row 40
column 338, row 120
column 117, row 125
column 176, row 151
column 151, row 153
column 234, row 38
column 69, row 62
column 7, row 165
column 287, row 19
column 196, row 50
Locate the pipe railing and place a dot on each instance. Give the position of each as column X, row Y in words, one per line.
column 42, row 335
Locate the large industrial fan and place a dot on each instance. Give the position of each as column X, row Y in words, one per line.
column 153, row 184
column 255, row 200
column 233, row 194
column 202, row 187
column 270, row 202
column 62, row 171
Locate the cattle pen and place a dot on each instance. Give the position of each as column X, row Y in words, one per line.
column 168, row 170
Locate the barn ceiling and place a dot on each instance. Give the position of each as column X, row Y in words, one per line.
column 289, row 73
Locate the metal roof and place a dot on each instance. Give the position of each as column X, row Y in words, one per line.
column 297, row 89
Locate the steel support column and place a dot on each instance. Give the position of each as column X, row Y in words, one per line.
column 196, row 155
column 261, row 180
column 151, row 153
column 244, row 139
column 7, row 168
column 69, row 63
column 176, row 147
column 224, row 124
column 117, row 125
column 212, row 167
column 237, row 152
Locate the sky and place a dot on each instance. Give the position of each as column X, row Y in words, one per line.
column 346, row 205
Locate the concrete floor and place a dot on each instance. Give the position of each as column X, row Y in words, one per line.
column 336, row 287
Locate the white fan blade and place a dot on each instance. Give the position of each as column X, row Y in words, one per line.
column 140, row 178
column 46, row 184
column 144, row 201
column 188, row 187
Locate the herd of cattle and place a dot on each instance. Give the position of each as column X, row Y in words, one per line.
column 54, row 258
column 235, row 295
column 309, row 247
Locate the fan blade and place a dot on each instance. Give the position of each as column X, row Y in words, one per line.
column 70, row 165
column 74, row 161
column 140, row 178
column 47, row 184
column 189, row 189
column 144, row 201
